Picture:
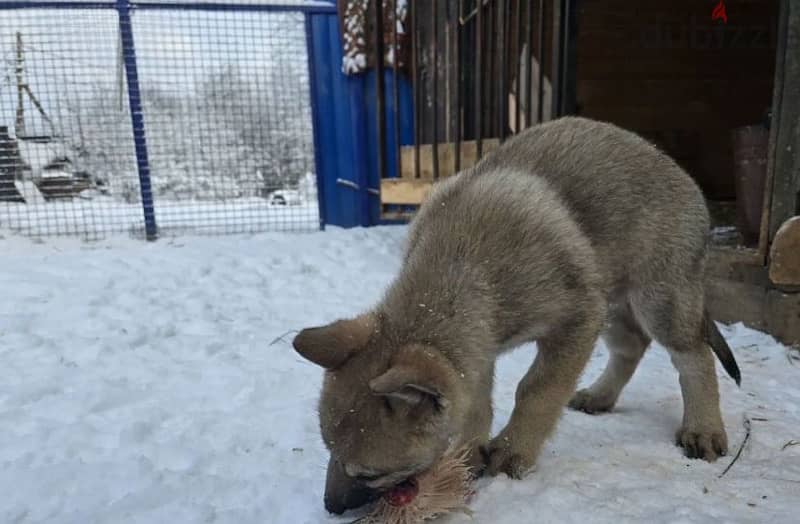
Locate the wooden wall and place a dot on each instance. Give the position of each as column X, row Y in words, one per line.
column 667, row 71
column 440, row 62
column 785, row 151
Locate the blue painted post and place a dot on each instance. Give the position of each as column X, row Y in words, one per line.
column 359, row 123
column 315, row 121
column 137, row 117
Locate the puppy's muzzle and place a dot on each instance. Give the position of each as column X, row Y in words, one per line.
column 343, row 492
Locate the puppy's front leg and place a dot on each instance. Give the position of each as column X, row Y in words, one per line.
column 540, row 399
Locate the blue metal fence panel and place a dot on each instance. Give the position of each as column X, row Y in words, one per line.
column 313, row 77
column 333, row 146
column 361, row 172
column 346, row 124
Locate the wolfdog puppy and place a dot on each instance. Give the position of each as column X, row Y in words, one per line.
column 570, row 230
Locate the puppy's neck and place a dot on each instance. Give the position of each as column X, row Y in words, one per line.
column 451, row 309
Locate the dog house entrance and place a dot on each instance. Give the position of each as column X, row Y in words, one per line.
column 697, row 84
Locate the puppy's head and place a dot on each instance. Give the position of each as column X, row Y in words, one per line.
column 388, row 409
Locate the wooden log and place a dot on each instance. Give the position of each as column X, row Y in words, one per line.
column 784, row 265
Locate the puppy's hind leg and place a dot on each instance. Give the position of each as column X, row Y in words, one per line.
column 702, row 433
column 626, row 345
column 675, row 319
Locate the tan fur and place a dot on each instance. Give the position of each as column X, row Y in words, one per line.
column 570, row 229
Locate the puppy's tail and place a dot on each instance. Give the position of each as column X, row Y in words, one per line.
column 721, row 348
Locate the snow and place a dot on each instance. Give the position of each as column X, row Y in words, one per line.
column 355, row 58
column 141, row 384
column 353, row 63
column 355, row 25
column 29, row 192
column 98, row 216
column 225, row 97
column 37, row 155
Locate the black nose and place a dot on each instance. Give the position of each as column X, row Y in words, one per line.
column 334, row 506
column 355, row 498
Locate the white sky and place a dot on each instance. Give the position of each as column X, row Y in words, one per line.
column 74, row 50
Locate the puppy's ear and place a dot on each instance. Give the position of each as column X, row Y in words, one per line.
column 330, row 346
column 402, row 383
column 418, row 374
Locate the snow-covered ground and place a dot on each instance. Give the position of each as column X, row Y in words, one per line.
column 140, row 384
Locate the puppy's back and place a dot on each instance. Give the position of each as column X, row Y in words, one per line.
column 636, row 205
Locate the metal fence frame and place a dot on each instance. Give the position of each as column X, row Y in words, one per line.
column 124, row 9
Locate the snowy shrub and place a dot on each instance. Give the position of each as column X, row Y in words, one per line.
column 228, row 138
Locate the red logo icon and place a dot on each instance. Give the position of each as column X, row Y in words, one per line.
column 719, row 12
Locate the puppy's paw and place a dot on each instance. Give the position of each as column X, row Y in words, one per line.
column 477, row 461
column 502, row 456
column 705, row 443
column 591, row 403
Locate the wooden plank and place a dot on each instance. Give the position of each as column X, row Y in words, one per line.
column 446, row 152
column 736, row 264
column 781, row 315
column 666, row 67
column 440, row 69
column 556, row 71
column 675, row 93
column 786, row 174
column 397, row 216
column 730, row 302
column 403, row 191
column 755, row 305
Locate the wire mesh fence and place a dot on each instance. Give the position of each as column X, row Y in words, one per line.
column 224, row 96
